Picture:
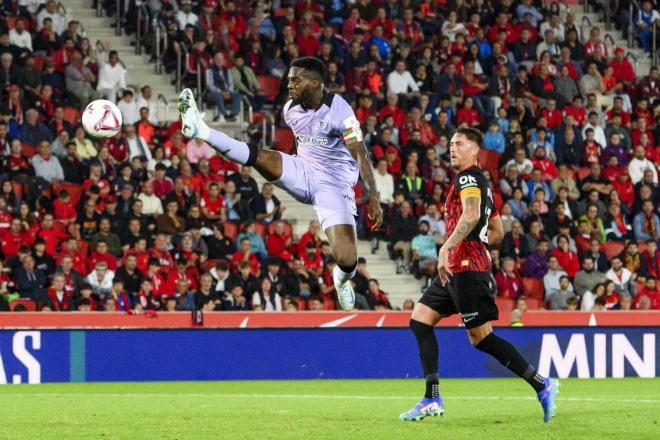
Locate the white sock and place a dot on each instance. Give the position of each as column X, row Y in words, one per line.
column 340, row 276
column 229, row 147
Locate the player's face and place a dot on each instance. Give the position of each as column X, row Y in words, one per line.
column 301, row 84
column 461, row 151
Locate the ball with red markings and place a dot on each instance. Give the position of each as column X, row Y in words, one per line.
column 101, row 119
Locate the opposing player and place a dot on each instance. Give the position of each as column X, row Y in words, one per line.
column 330, row 154
column 464, row 285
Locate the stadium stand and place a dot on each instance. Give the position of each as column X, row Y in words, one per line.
column 566, row 94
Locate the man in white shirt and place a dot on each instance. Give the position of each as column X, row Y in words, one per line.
column 552, row 277
column 185, row 16
column 555, row 26
column 19, row 36
column 401, row 83
column 622, row 278
column 384, row 183
column 137, row 146
column 50, row 11
column 435, row 220
column 32, row 6
column 129, row 110
column 639, row 165
column 112, row 77
column 599, row 133
column 145, row 101
column 151, row 204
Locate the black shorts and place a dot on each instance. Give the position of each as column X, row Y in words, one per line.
column 468, row 293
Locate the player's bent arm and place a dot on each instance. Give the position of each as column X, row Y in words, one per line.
column 495, row 230
column 361, row 155
column 466, row 223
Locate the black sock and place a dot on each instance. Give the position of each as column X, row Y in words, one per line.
column 428, row 353
column 503, row 351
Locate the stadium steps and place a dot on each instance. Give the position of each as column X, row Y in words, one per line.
column 379, row 266
column 140, row 70
column 643, row 64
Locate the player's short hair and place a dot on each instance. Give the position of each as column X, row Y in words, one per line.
column 311, row 64
column 472, row 134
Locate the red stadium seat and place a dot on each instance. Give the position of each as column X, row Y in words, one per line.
column 533, row 288
column 612, row 248
column 301, row 304
column 11, row 22
column 533, row 304
column 279, row 12
column 18, row 188
column 209, row 264
column 71, row 114
column 231, row 230
column 29, row 305
column 641, row 247
column 329, row 304
column 583, row 172
column 288, row 229
column 270, row 86
column 284, row 140
column 490, row 160
column 83, row 248
column 504, row 304
column 39, row 61
column 29, row 150
column 260, row 229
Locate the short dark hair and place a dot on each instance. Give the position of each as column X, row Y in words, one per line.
column 312, row 64
column 472, row 134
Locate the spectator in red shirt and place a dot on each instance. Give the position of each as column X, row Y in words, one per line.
column 71, row 249
column 547, row 167
column 154, row 275
column 244, row 254
column 234, row 20
column 468, row 115
column 623, row 70
column 392, row 108
column 509, row 283
column 310, row 236
column 577, row 110
column 182, row 272
column 566, row 258
column 63, row 209
column 308, row 44
column 552, row 114
column 376, row 298
column 163, row 185
column 102, row 255
column 213, row 204
column 648, row 298
column 50, row 235
column 312, row 260
column 160, row 253
column 17, row 235
column 279, row 244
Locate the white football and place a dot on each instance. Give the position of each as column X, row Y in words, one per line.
column 101, row 119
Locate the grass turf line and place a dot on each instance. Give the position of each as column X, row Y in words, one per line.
column 328, row 409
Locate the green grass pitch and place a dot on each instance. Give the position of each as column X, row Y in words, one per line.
column 326, row 409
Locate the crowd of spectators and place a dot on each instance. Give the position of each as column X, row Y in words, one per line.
column 150, row 220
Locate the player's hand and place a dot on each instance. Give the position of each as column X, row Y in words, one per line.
column 443, row 266
column 375, row 212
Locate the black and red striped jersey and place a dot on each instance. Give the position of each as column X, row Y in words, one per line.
column 471, row 255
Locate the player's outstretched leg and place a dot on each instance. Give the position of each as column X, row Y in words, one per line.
column 483, row 339
column 342, row 239
column 268, row 163
column 431, row 404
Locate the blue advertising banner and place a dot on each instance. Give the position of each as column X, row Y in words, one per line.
column 348, row 353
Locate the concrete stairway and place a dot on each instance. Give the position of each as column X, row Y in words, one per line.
column 642, row 64
column 140, row 71
column 379, row 266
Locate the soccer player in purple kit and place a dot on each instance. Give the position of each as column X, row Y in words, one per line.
column 330, row 155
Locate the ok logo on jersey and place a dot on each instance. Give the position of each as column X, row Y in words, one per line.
column 467, row 181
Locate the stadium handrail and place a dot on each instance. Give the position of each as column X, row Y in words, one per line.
column 325, row 319
column 589, row 23
column 634, row 58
